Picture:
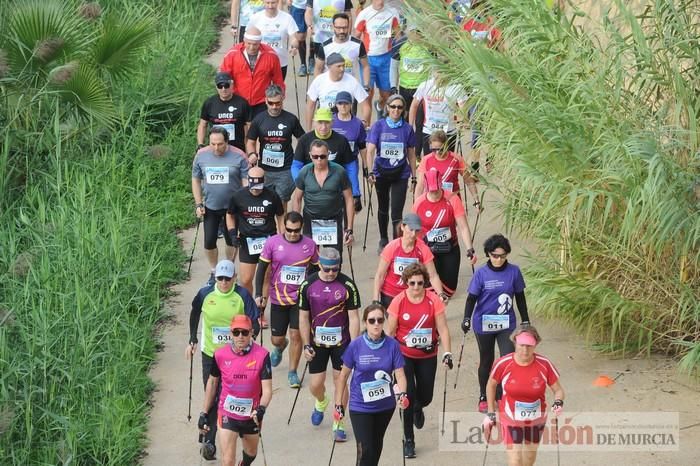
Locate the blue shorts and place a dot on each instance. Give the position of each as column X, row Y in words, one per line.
column 379, row 71
column 298, row 15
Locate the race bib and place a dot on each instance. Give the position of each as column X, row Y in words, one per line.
column 231, row 130
column 220, row 335
column 273, row 39
column 447, row 186
column 292, row 274
column 392, row 150
column 480, row 35
column 383, row 31
column 412, row 65
column 439, row 120
column 324, row 232
column 329, row 336
column 325, row 25
column 375, row 390
column 527, row 411
column 439, row 235
column 255, row 245
column 328, row 99
column 419, row 337
column 216, row 175
column 400, row 263
column 240, row 406
column 273, row 158
column 494, row 322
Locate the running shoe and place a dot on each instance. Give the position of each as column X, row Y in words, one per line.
column 310, row 66
column 211, row 280
column 208, row 451
column 409, row 449
column 293, row 379
column 276, row 354
column 382, row 244
column 302, row 71
column 379, row 110
column 339, row 432
column 319, row 409
column 483, row 405
column 418, row 417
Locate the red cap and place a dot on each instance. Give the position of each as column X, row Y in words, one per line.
column 432, row 179
column 241, row 321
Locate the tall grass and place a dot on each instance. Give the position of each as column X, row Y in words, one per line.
column 87, row 248
column 592, row 127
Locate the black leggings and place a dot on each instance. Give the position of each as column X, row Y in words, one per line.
column 447, row 266
column 369, row 429
column 420, row 379
column 207, row 362
column 487, row 348
column 212, row 219
column 394, row 190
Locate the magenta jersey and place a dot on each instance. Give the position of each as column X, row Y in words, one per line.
column 241, row 380
column 289, row 262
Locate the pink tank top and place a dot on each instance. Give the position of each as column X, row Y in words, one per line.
column 241, row 386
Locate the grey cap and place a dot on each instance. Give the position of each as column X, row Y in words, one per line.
column 412, row 221
column 225, row 268
column 334, row 58
column 222, row 77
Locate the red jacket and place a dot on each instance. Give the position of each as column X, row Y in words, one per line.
column 249, row 84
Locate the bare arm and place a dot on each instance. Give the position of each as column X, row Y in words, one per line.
column 305, row 326
column 379, row 277
column 444, row 331
column 210, row 393
column 295, row 202
column 266, row 393
column 354, row 323
column 413, row 111
column 371, row 153
column 464, row 232
column 235, row 15
column 365, row 111
column 390, row 327
column 558, row 391
column 202, row 131
column 340, row 384
column 230, row 221
column 491, row 394
column 280, row 224
column 310, row 107
column 349, row 207
column 318, row 66
column 400, row 379
column 420, row 182
column 412, row 160
column 435, row 281
column 365, row 71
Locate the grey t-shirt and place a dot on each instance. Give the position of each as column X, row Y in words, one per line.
column 327, row 201
column 221, row 175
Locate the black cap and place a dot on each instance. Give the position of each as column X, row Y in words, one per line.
column 334, row 58
column 222, row 77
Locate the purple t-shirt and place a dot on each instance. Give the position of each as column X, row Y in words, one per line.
column 354, row 132
column 288, row 263
column 392, row 148
column 494, row 291
column 328, row 304
column 371, row 388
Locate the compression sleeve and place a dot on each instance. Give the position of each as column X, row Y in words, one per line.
column 260, row 277
column 195, row 313
column 297, row 165
column 469, row 306
column 352, row 170
column 522, row 306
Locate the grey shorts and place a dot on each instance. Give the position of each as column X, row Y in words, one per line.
column 281, row 182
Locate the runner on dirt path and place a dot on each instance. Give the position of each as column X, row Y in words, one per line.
column 269, row 143
column 218, row 304
column 319, row 19
column 288, row 255
column 416, row 318
column 399, row 254
column 522, row 412
column 443, row 215
column 350, row 48
column 325, row 190
column 345, row 123
column 371, row 359
column 410, row 65
column 246, row 391
column 328, row 321
column 489, row 310
column 224, row 109
column 278, row 31
column 218, row 171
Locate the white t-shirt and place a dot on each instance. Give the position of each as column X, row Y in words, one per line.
column 350, row 51
column 324, row 90
column 276, row 31
column 437, row 104
column 377, row 28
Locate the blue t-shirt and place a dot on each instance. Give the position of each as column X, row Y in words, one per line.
column 354, row 132
column 371, row 387
column 392, row 148
column 494, row 291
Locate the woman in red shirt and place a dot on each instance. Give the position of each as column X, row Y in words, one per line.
column 524, row 376
column 416, row 318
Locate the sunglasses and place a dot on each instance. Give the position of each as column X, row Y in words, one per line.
column 224, row 279
column 293, row 230
column 396, row 107
column 378, row 320
column 319, row 157
column 238, row 332
column 223, row 85
column 415, row 283
column 277, row 103
column 498, row 256
column 331, row 269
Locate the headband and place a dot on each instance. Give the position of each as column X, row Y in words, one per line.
column 253, row 37
column 326, row 262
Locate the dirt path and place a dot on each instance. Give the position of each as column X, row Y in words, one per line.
column 642, row 385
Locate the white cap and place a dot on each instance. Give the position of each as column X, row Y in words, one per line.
column 225, row 268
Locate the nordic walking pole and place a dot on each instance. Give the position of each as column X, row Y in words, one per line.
column 459, row 362
column 403, row 437
column 444, row 402
column 352, row 270
column 364, row 244
column 262, row 447
column 486, row 450
column 296, row 397
column 194, row 245
column 330, row 460
column 189, row 404
column 556, row 437
column 296, row 85
column 476, row 222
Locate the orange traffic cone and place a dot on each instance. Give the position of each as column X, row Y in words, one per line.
column 603, row 381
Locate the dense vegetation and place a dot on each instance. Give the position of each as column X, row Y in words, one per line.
column 98, row 105
column 592, row 127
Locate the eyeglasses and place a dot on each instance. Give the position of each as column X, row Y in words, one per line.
column 293, row 230
column 319, row 157
column 223, row 85
column 224, row 279
column 272, row 103
column 396, row 107
column 378, row 320
column 415, row 283
column 238, row 332
column 331, row 269
column 498, row 256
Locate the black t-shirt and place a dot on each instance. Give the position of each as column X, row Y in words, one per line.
column 275, row 136
column 232, row 114
column 339, row 150
column 255, row 215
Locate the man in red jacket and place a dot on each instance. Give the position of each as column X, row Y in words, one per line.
column 253, row 66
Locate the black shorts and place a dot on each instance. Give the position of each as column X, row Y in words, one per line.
column 320, row 362
column 247, row 427
column 516, row 434
column 283, row 317
column 244, row 256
